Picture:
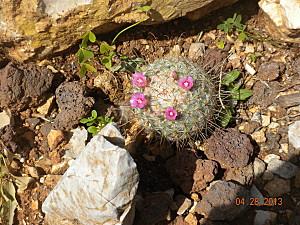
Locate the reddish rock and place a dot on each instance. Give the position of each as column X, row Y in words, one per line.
column 242, row 175
column 229, row 147
column 190, row 173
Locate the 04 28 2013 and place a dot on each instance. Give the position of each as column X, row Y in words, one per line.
column 277, row 201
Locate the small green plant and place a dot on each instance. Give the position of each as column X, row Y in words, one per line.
column 8, row 201
column 220, row 44
column 236, row 93
column 85, row 55
column 232, row 25
column 108, row 50
column 95, row 123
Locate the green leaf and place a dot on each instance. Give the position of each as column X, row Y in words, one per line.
column 144, row 8
column 106, row 61
column 105, row 48
column 220, row 44
column 226, row 117
column 82, row 71
column 230, row 77
column 92, row 37
column 90, row 68
column 221, row 26
column 242, row 36
column 85, row 120
column 94, row 114
column 241, row 94
column 80, row 55
column 93, row 130
column 84, row 43
column 87, row 54
column 238, row 19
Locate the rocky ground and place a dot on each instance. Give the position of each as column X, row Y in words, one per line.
column 245, row 174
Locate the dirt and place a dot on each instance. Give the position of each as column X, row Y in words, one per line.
column 162, row 167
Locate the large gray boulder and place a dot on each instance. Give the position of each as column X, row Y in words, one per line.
column 31, row 29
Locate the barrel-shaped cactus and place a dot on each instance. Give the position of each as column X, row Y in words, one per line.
column 173, row 97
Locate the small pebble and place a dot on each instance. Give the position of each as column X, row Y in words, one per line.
column 250, row 69
column 259, row 136
column 269, row 157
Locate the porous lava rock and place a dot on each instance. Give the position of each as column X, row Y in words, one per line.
column 74, row 104
column 219, row 203
column 25, row 85
column 230, row 148
column 189, row 173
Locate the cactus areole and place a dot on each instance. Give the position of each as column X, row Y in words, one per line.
column 174, row 97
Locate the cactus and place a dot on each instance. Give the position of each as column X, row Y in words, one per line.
column 174, row 97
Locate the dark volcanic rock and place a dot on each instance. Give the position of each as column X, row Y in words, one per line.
column 229, row 147
column 219, row 203
column 25, row 85
column 74, row 104
column 190, row 173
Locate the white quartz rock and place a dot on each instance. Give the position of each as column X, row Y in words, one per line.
column 294, row 134
column 98, row 188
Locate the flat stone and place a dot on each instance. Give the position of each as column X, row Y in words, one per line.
column 268, row 175
column 55, row 137
column 270, row 157
column 282, row 168
column 255, row 193
column 183, row 203
column 268, row 71
column 294, row 134
column 265, row 120
column 25, row 24
column 191, row 219
column 223, row 193
column 4, row 119
column 259, row 167
column 277, row 187
column 196, row 51
column 250, row 69
column 45, row 108
column 288, row 100
column 259, row 136
column 265, row 217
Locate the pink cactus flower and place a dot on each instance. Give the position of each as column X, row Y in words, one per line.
column 138, row 100
column 186, row 83
column 139, row 80
column 170, row 113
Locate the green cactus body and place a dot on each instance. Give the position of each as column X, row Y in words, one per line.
column 195, row 107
